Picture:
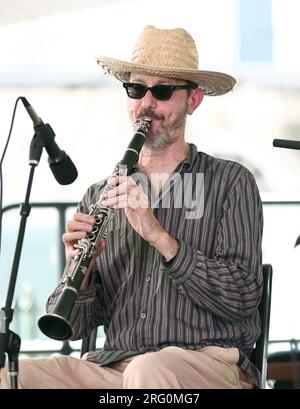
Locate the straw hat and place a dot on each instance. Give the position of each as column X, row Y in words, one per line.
column 167, row 53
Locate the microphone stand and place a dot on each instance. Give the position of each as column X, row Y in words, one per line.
column 9, row 341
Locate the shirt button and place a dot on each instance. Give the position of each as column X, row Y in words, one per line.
column 143, row 315
column 148, row 279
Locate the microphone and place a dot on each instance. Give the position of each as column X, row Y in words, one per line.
column 286, row 143
column 60, row 163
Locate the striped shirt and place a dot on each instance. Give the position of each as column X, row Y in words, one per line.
column 207, row 295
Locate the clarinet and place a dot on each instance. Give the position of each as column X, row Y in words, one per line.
column 57, row 324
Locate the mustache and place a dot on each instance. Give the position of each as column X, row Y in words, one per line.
column 150, row 114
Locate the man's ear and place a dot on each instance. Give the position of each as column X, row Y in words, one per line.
column 194, row 100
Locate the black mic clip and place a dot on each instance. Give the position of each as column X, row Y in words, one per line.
column 47, row 135
column 43, row 134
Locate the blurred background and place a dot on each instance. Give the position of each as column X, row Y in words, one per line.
column 47, row 54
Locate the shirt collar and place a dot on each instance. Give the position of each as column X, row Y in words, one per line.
column 187, row 164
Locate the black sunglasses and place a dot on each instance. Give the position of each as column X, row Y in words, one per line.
column 161, row 92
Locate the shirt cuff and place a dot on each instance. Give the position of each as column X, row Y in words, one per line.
column 180, row 267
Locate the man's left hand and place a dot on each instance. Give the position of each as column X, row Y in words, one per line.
column 126, row 194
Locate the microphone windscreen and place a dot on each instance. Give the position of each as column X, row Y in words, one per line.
column 64, row 171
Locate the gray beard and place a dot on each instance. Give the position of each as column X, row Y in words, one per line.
column 158, row 142
column 166, row 136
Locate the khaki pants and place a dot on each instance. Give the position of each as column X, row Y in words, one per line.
column 170, row 368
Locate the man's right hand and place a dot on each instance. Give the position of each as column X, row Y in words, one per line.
column 77, row 228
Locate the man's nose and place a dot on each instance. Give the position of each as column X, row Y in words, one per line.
column 148, row 101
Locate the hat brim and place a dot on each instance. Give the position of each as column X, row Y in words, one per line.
column 212, row 82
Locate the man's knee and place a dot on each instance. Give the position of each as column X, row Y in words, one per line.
column 148, row 371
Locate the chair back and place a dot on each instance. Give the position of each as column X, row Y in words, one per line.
column 260, row 353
